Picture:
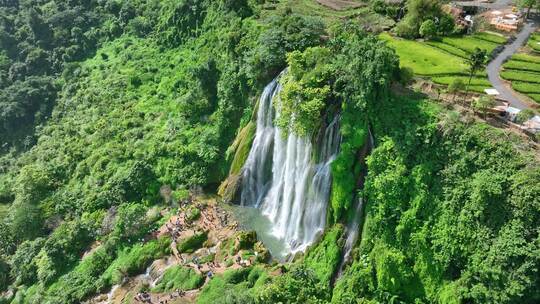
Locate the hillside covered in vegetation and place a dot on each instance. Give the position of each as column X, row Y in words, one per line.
column 120, row 118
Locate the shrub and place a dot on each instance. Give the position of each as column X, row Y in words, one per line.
column 428, row 29
column 133, row 260
column 300, row 285
column 406, row 75
column 130, row 221
column 193, row 214
column 524, row 115
column 235, row 276
column 4, row 273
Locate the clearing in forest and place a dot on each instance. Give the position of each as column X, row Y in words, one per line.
column 340, row 5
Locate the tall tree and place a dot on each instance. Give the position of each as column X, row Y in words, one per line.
column 476, row 62
column 528, row 4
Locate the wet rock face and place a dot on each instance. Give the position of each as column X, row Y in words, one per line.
column 230, row 188
column 245, row 240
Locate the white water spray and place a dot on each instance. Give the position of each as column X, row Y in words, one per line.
column 282, row 179
column 352, row 231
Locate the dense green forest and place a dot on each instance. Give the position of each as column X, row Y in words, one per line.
column 106, row 105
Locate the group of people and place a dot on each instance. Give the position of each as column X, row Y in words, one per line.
column 242, row 262
column 175, row 228
column 145, row 297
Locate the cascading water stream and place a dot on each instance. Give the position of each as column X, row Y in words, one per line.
column 286, row 178
column 352, row 230
column 353, row 227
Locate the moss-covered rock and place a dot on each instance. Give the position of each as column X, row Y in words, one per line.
column 263, row 255
column 193, row 214
column 192, row 243
column 240, row 149
column 245, row 240
column 179, row 277
column 325, row 256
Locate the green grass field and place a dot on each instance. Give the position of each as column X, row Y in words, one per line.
column 424, row 59
column 534, row 42
column 491, row 37
column 526, row 57
column 526, row 87
column 522, row 66
column 535, row 97
column 521, row 76
column 523, row 72
column 468, row 44
column 478, row 84
column 464, row 46
column 440, row 61
column 448, row 48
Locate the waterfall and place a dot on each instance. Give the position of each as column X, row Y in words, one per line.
column 286, row 178
column 352, row 231
column 353, row 227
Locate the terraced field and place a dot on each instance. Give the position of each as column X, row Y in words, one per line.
column 523, row 72
column 534, row 42
column 445, row 60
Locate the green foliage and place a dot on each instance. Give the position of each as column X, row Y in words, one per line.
column 130, row 221
column 193, row 214
column 428, row 29
column 324, row 257
column 245, row 240
column 63, row 248
column 447, row 213
column 367, row 68
column 476, row 62
column 234, row 287
column 525, row 57
column 283, row 33
column 456, row 86
column 483, row 104
column 424, row 59
column 192, row 243
column 523, row 71
column 305, row 91
column 524, row 115
column 521, row 76
column 83, row 280
column 522, row 65
column 133, row 260
column 491, row 36
column 179, row 277
column 5, row 280
column 423, row 13
column 406, row 75
column 299, row 285
column 23, row 264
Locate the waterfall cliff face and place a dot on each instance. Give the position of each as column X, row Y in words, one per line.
column 353, row 227
column 286, row 178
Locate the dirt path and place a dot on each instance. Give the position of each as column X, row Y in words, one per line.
column 219, row 227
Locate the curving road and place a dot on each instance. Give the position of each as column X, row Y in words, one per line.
column 500, row 4
column 494, row 67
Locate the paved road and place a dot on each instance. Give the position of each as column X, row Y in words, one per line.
column 500, row 4
column 494, row 67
